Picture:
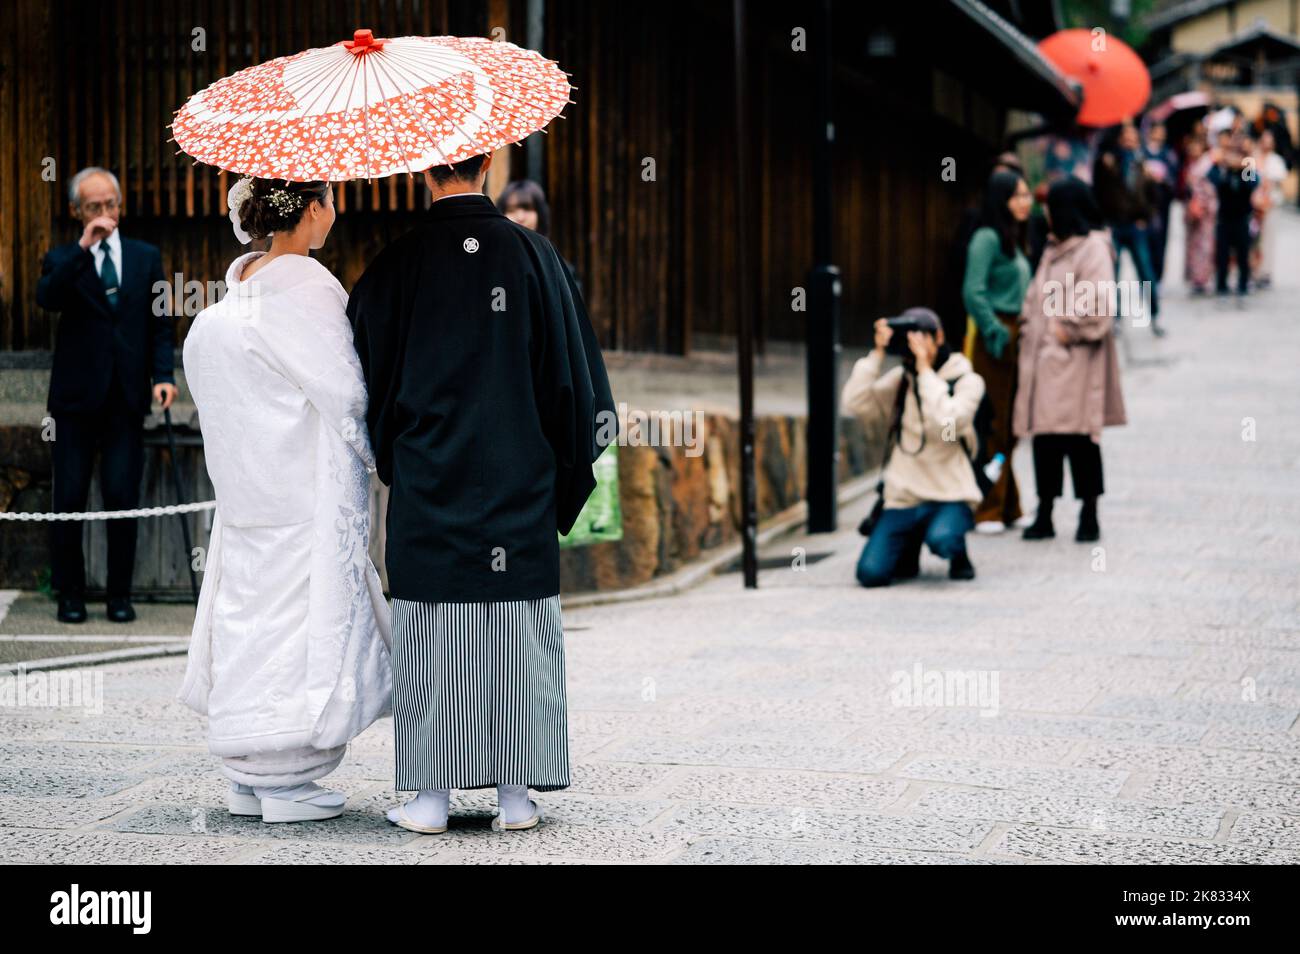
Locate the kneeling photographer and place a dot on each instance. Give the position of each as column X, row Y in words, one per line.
column 929, row 486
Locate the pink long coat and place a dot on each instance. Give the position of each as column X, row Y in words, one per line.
column 1073, row 387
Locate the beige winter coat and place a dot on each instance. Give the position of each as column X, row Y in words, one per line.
column 941, row 471
column 1070, row 388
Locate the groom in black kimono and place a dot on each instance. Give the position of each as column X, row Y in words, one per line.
column 488, row 404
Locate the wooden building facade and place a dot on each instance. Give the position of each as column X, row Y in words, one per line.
column 918, row 86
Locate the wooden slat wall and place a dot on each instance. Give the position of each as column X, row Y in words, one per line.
column 97, row 84
column 658, row 259
column 27, row 202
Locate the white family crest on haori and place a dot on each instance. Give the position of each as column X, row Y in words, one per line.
column 290, row 651
column 368, row 107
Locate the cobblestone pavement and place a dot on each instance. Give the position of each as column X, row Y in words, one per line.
column 1147, row 688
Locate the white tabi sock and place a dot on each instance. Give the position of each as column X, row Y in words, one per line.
column 514, row 804
column 429, row 808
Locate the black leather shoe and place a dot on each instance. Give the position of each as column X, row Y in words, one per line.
column 960, row 568
column 72, row 609
column 1038, row 531
column 119, row 609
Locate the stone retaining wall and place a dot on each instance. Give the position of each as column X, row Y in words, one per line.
column 675, row 504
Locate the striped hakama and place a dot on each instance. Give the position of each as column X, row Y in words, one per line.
column 479, row 695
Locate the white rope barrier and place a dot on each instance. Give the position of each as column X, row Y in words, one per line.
column 115, row 514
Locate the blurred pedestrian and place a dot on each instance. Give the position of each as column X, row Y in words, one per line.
column 1124, row 194
column 1200, row 211
column 1234, row 180
column 929, row 484
column 997, row 273
column 958, row 328
column 1068, row 155
column 1069, row 372
column 114, row 351
column 1161, row 168
column 1273, row 120
column 1272, row 171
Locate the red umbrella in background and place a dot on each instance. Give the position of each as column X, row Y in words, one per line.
column 1115, row 81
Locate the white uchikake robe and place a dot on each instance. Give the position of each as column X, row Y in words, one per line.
column 290, row 653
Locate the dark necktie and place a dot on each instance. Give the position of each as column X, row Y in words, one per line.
column 108, row 275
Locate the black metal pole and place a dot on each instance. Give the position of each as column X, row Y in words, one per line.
column 180, row 498
column 534, row 147
column 745, row 336
column 823, row 330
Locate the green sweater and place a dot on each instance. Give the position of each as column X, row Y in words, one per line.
column 994, row 282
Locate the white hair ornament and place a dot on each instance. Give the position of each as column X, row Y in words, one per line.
column 239, row 193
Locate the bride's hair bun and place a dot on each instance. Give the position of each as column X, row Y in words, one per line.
column 278, row 206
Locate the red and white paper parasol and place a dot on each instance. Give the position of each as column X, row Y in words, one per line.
column 366, row 108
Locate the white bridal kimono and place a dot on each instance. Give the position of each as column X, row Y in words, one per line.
column 290, row 653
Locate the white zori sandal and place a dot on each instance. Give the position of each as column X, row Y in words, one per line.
column 499, row 825
column 294, row 803
column 404, row 820
column 241, row 800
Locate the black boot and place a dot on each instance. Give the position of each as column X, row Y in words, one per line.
column 960, row 567
column 1041, row 528
column 1088, row 529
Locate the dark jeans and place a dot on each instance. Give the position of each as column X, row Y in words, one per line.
column 1135, row 239
column 1232, row 236
column 116, row 433
column 1050, row 451
column 900, row 533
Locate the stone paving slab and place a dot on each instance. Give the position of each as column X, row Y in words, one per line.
column 1267, row 830
column 1070, row 811
column 1054, row 844
column 988, row 774
column 1174, row 760
column 1229, row 793
column 749, row 851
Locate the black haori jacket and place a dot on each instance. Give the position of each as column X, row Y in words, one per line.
column 487, row 390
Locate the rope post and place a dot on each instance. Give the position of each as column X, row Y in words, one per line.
column 180, row 499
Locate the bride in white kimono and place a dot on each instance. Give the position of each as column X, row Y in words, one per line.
column 290, row 653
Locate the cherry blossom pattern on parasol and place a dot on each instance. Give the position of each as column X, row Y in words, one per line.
column 367, row 108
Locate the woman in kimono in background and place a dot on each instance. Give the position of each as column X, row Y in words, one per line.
column 289, row 657
column 1199, row 214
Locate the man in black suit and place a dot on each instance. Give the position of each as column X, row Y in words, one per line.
column 110, row 345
